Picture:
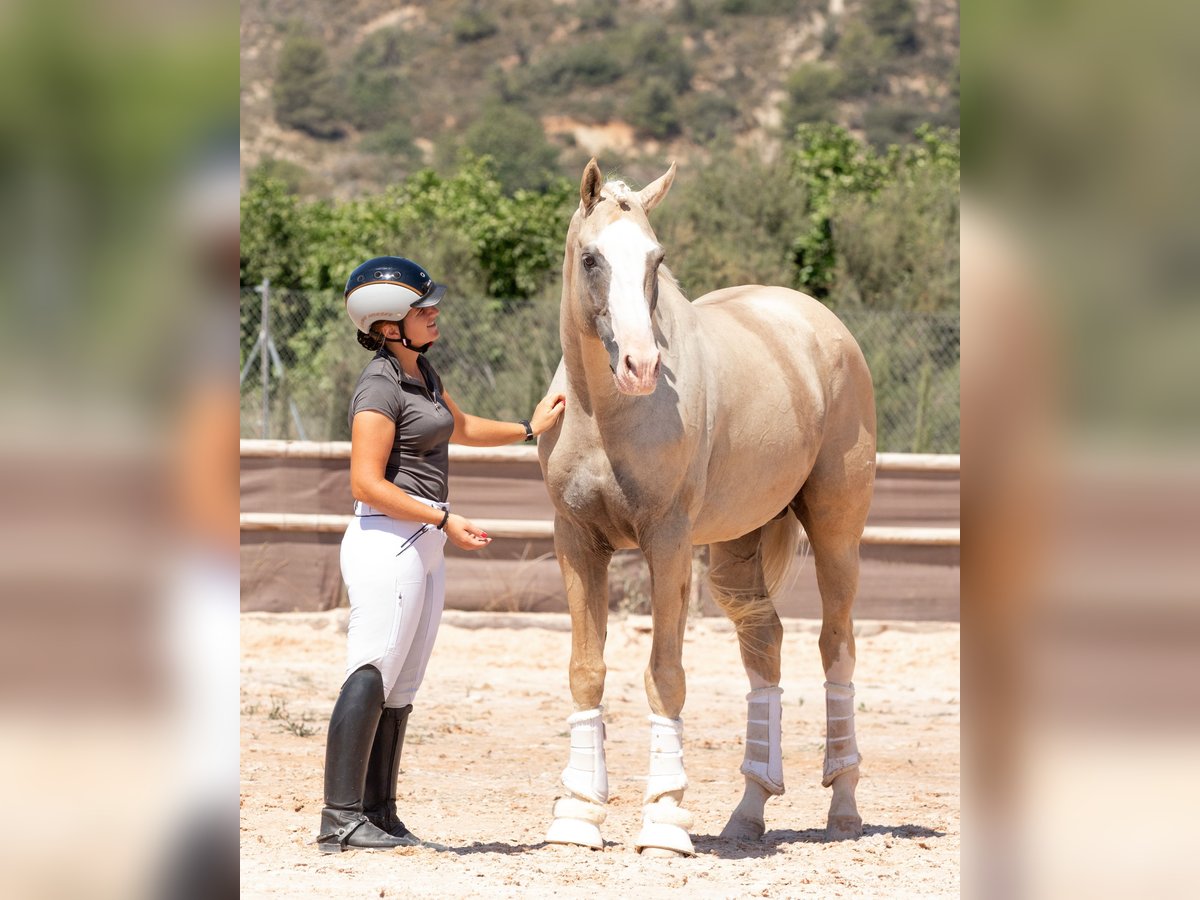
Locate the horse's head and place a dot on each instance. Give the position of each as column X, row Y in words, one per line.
column 613, row 259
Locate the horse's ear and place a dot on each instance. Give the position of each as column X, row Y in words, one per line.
column 589, row 187
column 651, row 194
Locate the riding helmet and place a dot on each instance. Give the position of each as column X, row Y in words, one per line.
column 386, row 288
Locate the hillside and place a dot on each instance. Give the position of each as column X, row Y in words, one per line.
column 341, row 99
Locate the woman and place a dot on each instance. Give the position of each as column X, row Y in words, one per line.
column 401, row 421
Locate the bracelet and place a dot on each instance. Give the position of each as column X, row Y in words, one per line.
column 442, row 524
column 528, row 431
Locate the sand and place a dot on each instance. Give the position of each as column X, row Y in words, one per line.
column 487, row 742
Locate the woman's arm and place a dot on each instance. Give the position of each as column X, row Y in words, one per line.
column 371, row 439
column 476, row 432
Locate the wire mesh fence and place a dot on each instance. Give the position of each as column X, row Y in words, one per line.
column 300, row 361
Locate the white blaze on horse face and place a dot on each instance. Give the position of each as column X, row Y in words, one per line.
column 628, row 249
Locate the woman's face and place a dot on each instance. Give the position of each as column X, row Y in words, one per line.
column 420, row 325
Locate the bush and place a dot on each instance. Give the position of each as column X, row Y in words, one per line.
column 653, row 53
column 651, row 109
column 811, row 95
column 522, row 157
column 863, row 58
column 474, row 25
column 587, row 65
column 373, row 98
column 895, row 20
column 598, row 15
column 394, row 140
column 707, row 115
column 305, row 92
column 731, row 222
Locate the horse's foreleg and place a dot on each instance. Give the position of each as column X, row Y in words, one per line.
column 584, row 562
column 665, row 824
column 736, row 576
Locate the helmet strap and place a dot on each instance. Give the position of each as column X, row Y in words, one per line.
column 404, row 341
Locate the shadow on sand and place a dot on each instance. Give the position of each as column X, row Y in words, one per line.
column 714, row 845
column 711, row 844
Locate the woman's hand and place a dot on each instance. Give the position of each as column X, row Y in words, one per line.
column 547, row 412
column 464, row 534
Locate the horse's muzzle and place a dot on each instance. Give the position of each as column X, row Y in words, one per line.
column 637, row 374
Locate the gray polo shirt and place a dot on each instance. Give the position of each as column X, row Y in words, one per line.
column 419, row 463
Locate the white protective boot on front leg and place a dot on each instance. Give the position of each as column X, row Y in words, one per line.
column 578, row 816
column 665, row 825
column 841, row 762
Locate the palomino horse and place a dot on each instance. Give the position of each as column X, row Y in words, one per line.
column 728, row 421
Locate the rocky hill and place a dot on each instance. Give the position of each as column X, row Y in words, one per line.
column 341, row 99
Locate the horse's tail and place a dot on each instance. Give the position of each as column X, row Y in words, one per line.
column 743, row 601
column 780, row 541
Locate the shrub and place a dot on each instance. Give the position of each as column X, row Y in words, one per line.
column 895, row 20
column 522, row 157
column 651, row 109
column 305, row 92
column 707, row 115
column 811, row 95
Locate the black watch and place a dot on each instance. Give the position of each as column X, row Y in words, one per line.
column 529, row 438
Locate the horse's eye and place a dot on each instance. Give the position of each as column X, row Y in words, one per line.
column 589, row 261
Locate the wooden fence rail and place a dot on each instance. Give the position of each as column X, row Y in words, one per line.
column 528, row 529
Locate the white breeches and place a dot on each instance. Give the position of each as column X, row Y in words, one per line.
column 396, row 579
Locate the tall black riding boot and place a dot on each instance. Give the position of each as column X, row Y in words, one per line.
column 352, row 728
column 379, row 795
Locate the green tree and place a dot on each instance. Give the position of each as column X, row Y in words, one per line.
column 895, row 20
column 651, row 109
column 305, row 93
column 811, row 93
column 522, row 157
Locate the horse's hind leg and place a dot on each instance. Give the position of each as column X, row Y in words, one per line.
column 584, row 561
column 736, row 577
column 833, row 506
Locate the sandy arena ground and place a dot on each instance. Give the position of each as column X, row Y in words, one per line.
column 488, row 740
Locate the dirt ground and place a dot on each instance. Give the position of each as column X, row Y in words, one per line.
column 488, row 740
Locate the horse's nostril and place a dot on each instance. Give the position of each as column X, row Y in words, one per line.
column 657, row 365
column 629, row 364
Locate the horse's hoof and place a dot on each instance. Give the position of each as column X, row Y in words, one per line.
column 660, row 836
column 740, row 829
column 576, row 822
column 663, row 853
column 843, row 828
column 576, row 832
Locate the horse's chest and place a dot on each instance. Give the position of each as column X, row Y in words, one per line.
column 592, row 489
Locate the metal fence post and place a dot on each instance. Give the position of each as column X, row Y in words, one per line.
column 264, row 364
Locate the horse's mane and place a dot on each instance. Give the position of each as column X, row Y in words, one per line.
column 620, row 191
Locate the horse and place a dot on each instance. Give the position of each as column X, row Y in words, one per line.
column 730, row 421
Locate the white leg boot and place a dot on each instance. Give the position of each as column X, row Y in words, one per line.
column 763, row 761
column 762, row 764
column 578, row 816
column 841, row 762
column 665, row 825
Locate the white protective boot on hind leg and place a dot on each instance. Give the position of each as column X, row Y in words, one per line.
column 578, row 816
column 764, row 738
column 665, row 825
column 841, row 747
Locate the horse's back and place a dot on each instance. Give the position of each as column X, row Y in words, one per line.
column 787, row 326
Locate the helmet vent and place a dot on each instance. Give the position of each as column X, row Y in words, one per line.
column 378, row 274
